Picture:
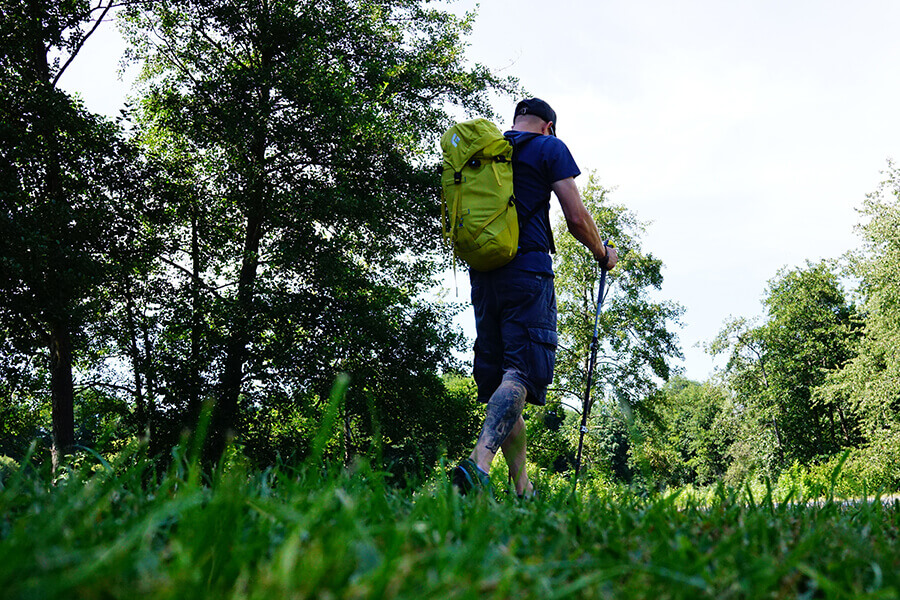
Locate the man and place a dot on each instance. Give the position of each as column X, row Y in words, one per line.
column 515, row 305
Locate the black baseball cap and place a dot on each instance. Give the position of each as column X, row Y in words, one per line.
column 538, row 108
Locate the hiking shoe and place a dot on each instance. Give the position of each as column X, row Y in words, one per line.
column 467, row 477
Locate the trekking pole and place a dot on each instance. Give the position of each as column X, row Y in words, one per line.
column 586, row 405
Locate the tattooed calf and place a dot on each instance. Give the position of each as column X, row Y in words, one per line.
column 503, row 411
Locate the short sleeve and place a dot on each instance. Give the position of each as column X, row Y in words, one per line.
column 558, row 161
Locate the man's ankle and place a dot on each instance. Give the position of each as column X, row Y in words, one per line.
column 483, row 464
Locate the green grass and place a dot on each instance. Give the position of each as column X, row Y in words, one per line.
column 101, row 531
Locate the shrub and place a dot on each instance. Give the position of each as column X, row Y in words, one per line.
column 8, row 466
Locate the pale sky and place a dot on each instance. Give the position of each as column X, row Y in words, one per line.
column 747, row 133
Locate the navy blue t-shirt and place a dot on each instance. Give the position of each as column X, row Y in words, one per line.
column 538, row 162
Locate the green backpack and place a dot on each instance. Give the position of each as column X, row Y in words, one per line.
column 478, row 206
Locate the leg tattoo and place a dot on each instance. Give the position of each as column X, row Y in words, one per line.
column 503, row 410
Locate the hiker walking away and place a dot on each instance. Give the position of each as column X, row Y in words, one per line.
column 515, row 305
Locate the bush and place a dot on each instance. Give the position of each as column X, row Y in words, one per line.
column 8, row 467
column 859, row 472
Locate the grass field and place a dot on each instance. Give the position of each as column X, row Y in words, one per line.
column 102, row 531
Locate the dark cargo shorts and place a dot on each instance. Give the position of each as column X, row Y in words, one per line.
column 515, row 323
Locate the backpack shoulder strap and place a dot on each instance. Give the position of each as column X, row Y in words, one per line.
column 525, row 218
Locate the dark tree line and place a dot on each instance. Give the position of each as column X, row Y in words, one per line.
column 73, row 190
column 267, row 220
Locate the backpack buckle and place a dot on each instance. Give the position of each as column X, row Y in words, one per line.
column 457, row 177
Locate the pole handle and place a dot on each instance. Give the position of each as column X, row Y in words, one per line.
column 607, row 244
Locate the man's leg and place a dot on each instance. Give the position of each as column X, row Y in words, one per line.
column 504, row 411
column 514, row 453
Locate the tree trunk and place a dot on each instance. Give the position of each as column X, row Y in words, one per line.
column 834, row 436
column 156, row 444
column 224, row 417
column 844, row 425
column 62, row 391
column 135, row 355
column 194, row 405
column 56, row 304
column 225, row 414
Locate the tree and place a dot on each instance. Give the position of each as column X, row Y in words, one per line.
column 636, row 344
column 776, row 368
column 809, row 334
column 693, row 429
column 870, row 381
column 309, row 129
column 70, row 195
column 549, row 444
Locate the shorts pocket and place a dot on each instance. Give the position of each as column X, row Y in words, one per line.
column 543, row 342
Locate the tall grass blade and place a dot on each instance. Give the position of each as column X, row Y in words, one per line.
column 332, row 412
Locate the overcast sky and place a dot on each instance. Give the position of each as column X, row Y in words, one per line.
column 747, row 133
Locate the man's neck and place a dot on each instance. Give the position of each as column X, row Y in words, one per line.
column 527, row 129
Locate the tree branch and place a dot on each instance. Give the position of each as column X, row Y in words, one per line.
column 190, row 274
column 221, row 47
column 81, row 42
column 102, row 384
column 577, row 410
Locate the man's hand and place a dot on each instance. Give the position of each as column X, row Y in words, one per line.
column 609, row 263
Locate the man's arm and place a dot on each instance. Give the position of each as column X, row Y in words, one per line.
column 579, row 221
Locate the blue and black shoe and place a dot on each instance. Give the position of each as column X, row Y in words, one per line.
column 467, row 477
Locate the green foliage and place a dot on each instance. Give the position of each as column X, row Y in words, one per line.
column 873, row 469
column 73, row 197
column 23, row 411
column 870, row 382
column 609, row 444
column 636, row 345
column 462, row 415
column 549, row 430
column 280, row 227
column 300, row 139
column 774, row 370
column 690, row 433
column 809, row 333
column 106, row 529
column 8, row 468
